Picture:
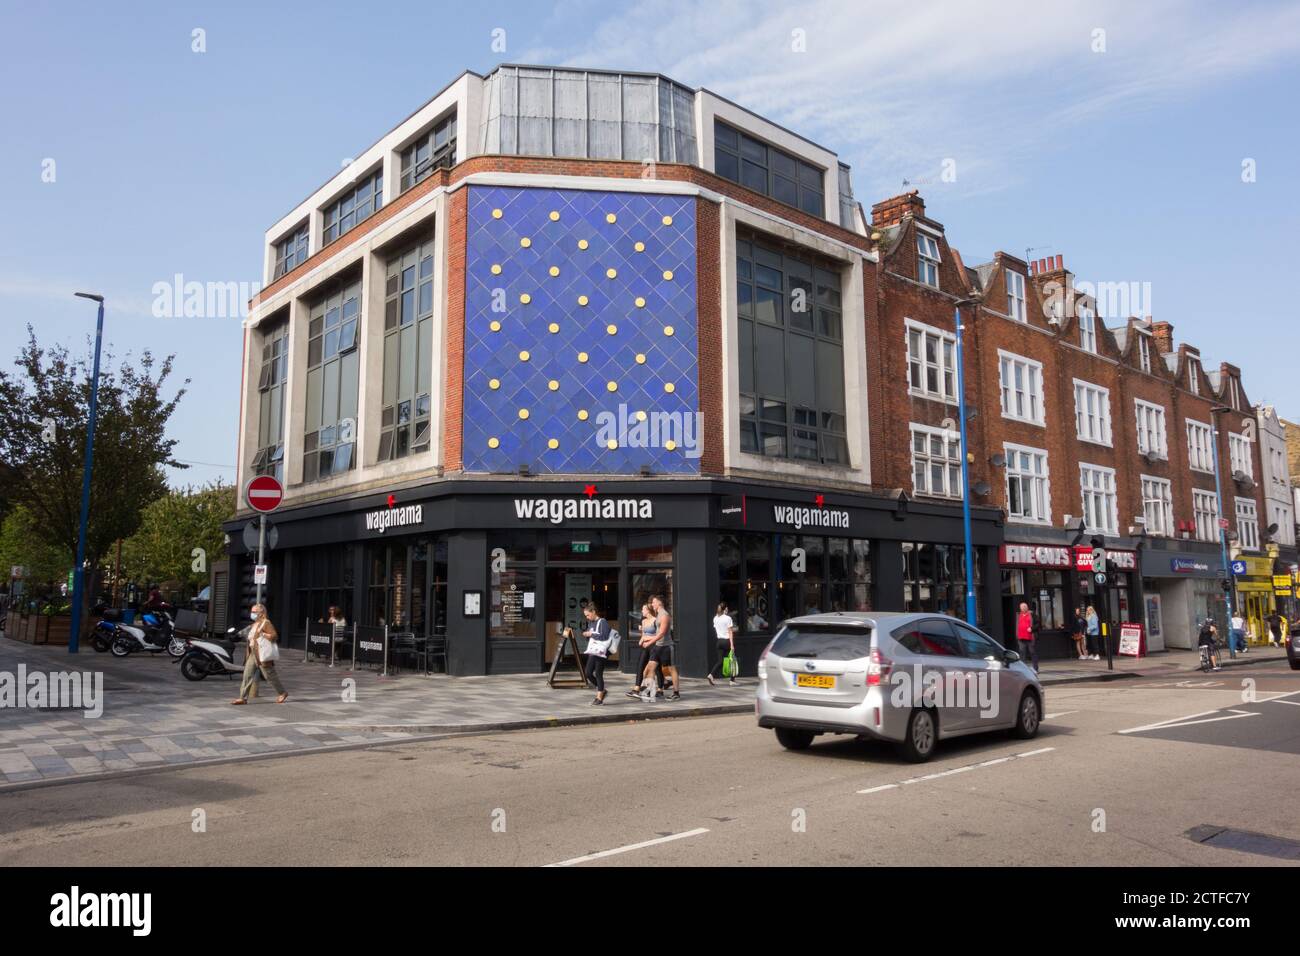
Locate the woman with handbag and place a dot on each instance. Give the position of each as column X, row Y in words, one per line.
column 598, row 638
column 262, row 654
column 724, row 632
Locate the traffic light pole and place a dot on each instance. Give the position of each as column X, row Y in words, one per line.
column 1099, row 567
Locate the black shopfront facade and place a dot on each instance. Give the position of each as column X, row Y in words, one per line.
column 498, row 566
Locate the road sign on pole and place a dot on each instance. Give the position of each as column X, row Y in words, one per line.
column 1099, row 577
column 263, row 494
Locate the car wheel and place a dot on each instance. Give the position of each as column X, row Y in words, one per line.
column 1028, row 717
column 922, row 735
column 1295, row 665
column 794, row 739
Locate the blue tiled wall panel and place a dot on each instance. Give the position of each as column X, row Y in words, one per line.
column 554, row 222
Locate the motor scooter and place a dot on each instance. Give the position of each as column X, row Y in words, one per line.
column 205, row 656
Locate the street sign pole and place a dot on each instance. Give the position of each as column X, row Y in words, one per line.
column 263, row 494
column 79, row 569
column 1103, row 610
column 261, row 552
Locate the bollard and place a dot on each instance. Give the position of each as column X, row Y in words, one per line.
column 306, row 643
column 354, row 645
column 385, row 670
column 334, row 633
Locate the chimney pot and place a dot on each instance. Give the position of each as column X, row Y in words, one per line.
column 1059, row 262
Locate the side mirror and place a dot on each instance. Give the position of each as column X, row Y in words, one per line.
column 1010, row 657
column 230, row 630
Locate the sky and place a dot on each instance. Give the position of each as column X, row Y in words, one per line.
column 1150, row 143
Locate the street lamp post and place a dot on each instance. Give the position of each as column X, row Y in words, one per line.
column 965, row 469
column 1228, row 591
column 78, row 570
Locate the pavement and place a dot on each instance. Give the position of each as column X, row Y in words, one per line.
column 1164, row 770
column 154, row 719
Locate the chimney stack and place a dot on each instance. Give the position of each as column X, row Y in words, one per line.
column 888, row 212
column 1163, row 333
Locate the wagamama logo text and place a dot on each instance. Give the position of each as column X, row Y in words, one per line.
column 385, row 518
column 556, row 510
column 74, row 909
column 797, row 517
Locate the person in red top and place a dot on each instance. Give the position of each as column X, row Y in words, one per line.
column 1025, row 636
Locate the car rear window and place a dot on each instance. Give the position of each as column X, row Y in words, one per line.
column 824, row 643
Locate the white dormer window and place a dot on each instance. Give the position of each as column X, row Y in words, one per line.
column 1144, row 352
column 1194, row 376
column 1239, row 455
column 927, row 255
column 1016, row 296
column 1087, row 329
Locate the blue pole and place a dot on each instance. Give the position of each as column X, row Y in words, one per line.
column 965, row 475
column 1223, row 541
column 78, row 570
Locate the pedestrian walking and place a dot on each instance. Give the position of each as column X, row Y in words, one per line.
column 1236, row 634
column 1025, row 635
column 597, row 634
column 1094, row 633
column 1275, row 632
column 649, row 629
column 724, row 636
column 661, row 653
column 1079, row 632
column 260, row 657
column 1207, row 639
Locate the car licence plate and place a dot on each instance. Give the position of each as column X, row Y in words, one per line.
column 814, row 680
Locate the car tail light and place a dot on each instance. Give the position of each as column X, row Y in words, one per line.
column 878, row 668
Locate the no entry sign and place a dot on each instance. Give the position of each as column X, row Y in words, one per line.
column 263, row 494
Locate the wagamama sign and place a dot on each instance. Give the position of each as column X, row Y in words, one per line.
column 556, row 510
column 385, row 518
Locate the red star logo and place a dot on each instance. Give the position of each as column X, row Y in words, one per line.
column 392, row 500
column 589, row 491
column 821, row 501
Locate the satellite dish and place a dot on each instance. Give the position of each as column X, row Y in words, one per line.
column 998, row 461
column 982, row 488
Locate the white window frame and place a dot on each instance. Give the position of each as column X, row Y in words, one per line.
column 1152, row 433
column 1194, row 376
column 1200, row 453
column 1099, row 497
column 1144, row 351
column 1247, row 515
column 1280, row 515
column 1087, row 329
column 946, row 368
column 1041, row 492
column 927, row 259
column 1205, row 508
column 1032, row 390
column 1098, row 430
column 949, row 459
column 1016, row 296
column 1158, row 505
column 1239, row 456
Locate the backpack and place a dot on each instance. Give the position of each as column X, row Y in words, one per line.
column 615, row 638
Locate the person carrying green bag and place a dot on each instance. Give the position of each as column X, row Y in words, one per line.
column 724, row 628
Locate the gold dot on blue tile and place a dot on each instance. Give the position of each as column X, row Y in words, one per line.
column 494, row 325
column 668, row 274
column 640, row 416
column 670, row 444
column 525, row 298
column 493, row 442
column 496, row 213
column 668, row 330
column 496, row 268
column 554, row 271
column 523, row 413
column 611, row 386
column 639, row 247
column 555, row 216
column 525, row 242
column 612, row 329
column 611, row 273
column 668, row 220
column 611, row 444
column 582, row 243
column 640, row 359
column 611, row 218
column 494, row 383
column 582, row 414
column 553, row 327
column 669, row 387
column 640, row 302
column 582, row 357
column 553, row 385
column 582, row 300
column 524, row 356
column 553, row 444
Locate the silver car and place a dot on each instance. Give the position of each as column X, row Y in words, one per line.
column 911, row 679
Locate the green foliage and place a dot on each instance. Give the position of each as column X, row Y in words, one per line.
column 171, row 528
column 22, row 542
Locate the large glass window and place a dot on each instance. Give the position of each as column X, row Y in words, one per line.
column 791, row 353
column 768, row 170
column 1247, row 524
column 1091, row 412
column 269, row 459
column 1022, row 388
column 408, row 354
column 1100, row 509
column 291, row 251
column 1158, row 505
column 1151, row 435
column 354, row 206
column 434, row 149
column 323, row 579
column 329, row 441
column 1027, row 490
column 1239, row 457
column 936, row 461
column 811, row 574
column 1200, row 446
column 934, row 579
column 1205, row 507
column 931, row 362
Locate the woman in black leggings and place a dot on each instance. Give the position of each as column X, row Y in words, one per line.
column 597, row 634
column 724, row 631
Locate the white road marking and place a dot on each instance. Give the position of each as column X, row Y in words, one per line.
column 1168, row 720
column 1064, row 713
column 1278, row 700
column 955, row 770
column 1167, row 725
column 628, row 849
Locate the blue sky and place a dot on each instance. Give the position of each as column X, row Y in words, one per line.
column 1126, row 160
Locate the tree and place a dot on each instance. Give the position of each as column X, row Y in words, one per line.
column 172, row 528
column 44, row 412
column 23, row 543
